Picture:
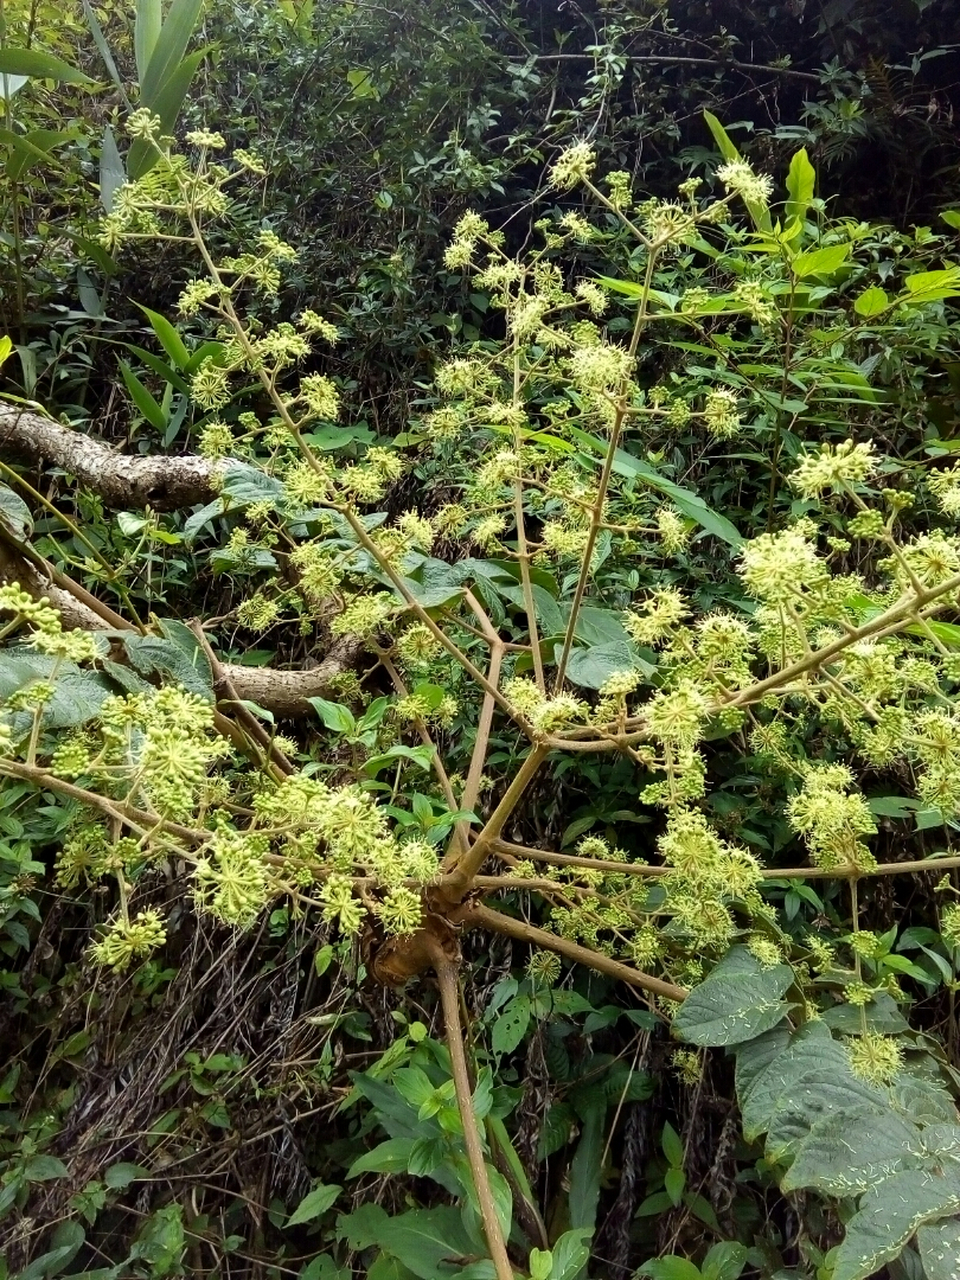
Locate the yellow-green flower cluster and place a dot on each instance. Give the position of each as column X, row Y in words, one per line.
column 655, row 619
column 834, row 467
column 738, row 178
column 127, row 940
column 832, row 818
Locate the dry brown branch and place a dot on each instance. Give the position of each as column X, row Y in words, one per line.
column 284, row 693
column 120, row 480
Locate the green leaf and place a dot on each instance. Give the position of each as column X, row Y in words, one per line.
column 392, row 1156
column 820, row 262
column 166, row 655
column 725, row 1261
column 687, row 503
column 31, row 62
column 952, row 218
column 142, row 398
column 146, row 33
column 571, row 1252
column 672, row 1146
column 337, row 718
column 871, row 302
column 15, row 515
column 850, row 1150
column 44, row 1169
column 314, row 1205
column 591, row 668
column 738, row 1001
column 112, row 173
column 801, row 181
column 244, row 484
column 168, row 337
column 810, row 1101
column 169, row 98
column 811, row 1055
column 759, row 213
column 428, row 1241
column 670, row 1268
column 888, row 1216
column 121, row 1175
column 585, row 1167
column 169, row 45
column 511, row 1025
column 940, row 1243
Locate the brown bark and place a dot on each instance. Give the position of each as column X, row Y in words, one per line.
column 282, row 692
column 121, row 480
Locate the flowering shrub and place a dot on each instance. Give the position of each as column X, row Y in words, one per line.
column 827, row 656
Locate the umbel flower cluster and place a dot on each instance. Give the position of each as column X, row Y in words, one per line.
column 811, row 647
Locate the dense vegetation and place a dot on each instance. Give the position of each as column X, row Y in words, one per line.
column 479, row 589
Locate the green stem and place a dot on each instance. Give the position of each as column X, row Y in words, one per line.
column 596, row 518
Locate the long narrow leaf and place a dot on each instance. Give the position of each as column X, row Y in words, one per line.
column 168, row 337
column 100, row 40
column 171, row 45
column 686, row 501
column 142, row 398
column 146, row 33
column 112, row 173
column 759, row 213
column 142, row 156
column 31, row 62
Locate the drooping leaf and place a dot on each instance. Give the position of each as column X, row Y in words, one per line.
column 45, row 66
column 738, row 1001
column 431, row 1242
column 888, row 1216
column 851, row 1149
column 940, row 1249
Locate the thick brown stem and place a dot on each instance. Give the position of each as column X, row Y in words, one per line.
column 448, row 980
column 487, row 918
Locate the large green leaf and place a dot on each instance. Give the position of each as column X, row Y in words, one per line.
column 171, row 655
column 45, row 66
column 738, row 1001
column 940, row 1249
column 888, row 1216
column 809, row 1102
column 431, row 1242
column 812, row 1054
column 77, row 694
column 146, row 33
column 591, row 668
column 850, row 1150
